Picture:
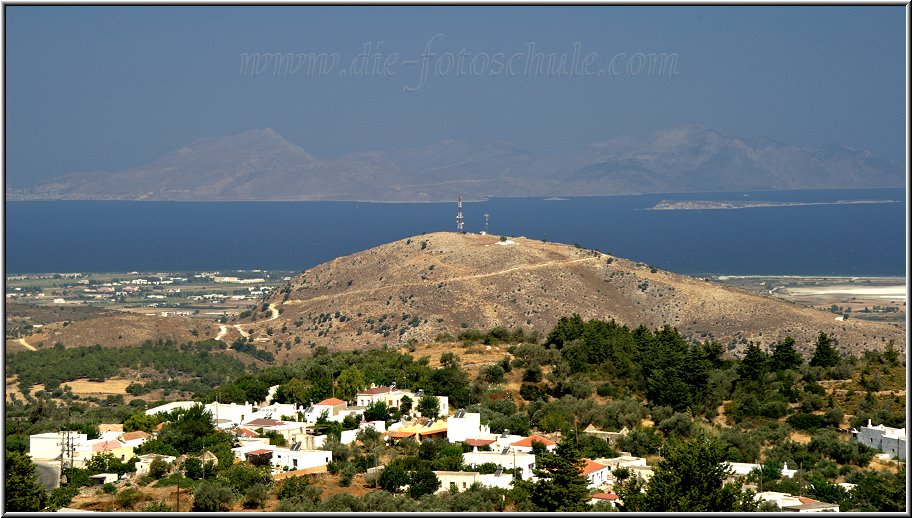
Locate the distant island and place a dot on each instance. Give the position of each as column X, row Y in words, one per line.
column 745, row 204
column 260, row 165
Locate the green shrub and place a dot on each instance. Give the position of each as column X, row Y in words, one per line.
column 213, row 496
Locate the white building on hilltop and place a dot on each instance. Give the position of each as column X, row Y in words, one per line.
column 884, row 438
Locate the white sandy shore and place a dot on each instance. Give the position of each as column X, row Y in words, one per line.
column 871, row 291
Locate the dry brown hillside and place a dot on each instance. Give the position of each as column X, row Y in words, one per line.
column 118, row 329
column 420, row 287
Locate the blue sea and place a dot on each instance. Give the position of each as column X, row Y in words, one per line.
column 122, row 236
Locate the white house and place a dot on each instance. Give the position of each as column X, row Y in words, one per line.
column 332, row 407
column 134, row 439
column 596, row 473
column 393, row 398
column 48, row 445
column 525, row 444
column 289, row 459
column 461, row 480
column 611, row 498
column 285, row 458
column 293, row 431
column 465, row 425
column 142, row 465
column 800, row 504
column 524, row 462
column 167, row 407
column 741, row 468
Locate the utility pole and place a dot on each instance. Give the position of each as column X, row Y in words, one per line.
column 459, row 225
column 63, row 444
column 761, row 476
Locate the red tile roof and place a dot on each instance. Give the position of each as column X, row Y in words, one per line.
column 331, row 402
column 259, row 452
column 479, row 442
column 247, row 432
column 107, row 445
column 401, row 435
column 264, row 422
column 527, row 441
column 806, row 500
column 139, row 434
column 376, row 390
column 605, row 496
column 591, row 467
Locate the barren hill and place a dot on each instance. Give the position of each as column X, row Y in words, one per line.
column 420, row 287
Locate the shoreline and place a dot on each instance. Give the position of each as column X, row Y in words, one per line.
column 734, row 205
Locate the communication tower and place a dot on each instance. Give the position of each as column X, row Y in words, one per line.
column 459, row 226
column 486, row 224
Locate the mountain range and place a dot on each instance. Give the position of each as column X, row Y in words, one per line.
column 261, row 165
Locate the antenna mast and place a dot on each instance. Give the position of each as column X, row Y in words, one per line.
column 459, row 216
column 486, row 223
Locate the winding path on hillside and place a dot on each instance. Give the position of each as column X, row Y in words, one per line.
column 245, row 334
column 223, row 330
column 452, row 279
column 26, row 344
column 275, row 312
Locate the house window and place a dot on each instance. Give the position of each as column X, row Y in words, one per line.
column 452, row 485
column 294, row 463
column 463, row 485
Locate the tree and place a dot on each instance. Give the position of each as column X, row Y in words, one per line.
column 213, row 496
column 561, row 486
column 376, row 411
column 23, row 492
column 449, row 360
column 785, row 356
column 429, row 406
column 493, row 374
column 879, row 491
column 405, row 405
column 393, row 477
column 825, row 355
column 349, row 382
column 422, row 482
column 690, row 478
column 753, row 366
column 158, row 468
column 140, row 421
column 193, row 468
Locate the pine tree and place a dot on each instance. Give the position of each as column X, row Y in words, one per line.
column 23, row 492
column 785, row 356
column 825, row 355
column 691, row 478
column 561, row 485
column 753, row 366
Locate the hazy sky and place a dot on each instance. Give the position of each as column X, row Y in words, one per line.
column 105, row 88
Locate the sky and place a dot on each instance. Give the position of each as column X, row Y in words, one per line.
column 106, row 88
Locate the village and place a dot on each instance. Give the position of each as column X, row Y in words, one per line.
column 292, row 441
column 208, row 294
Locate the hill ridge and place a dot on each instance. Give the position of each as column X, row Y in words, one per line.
column 420, row 287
